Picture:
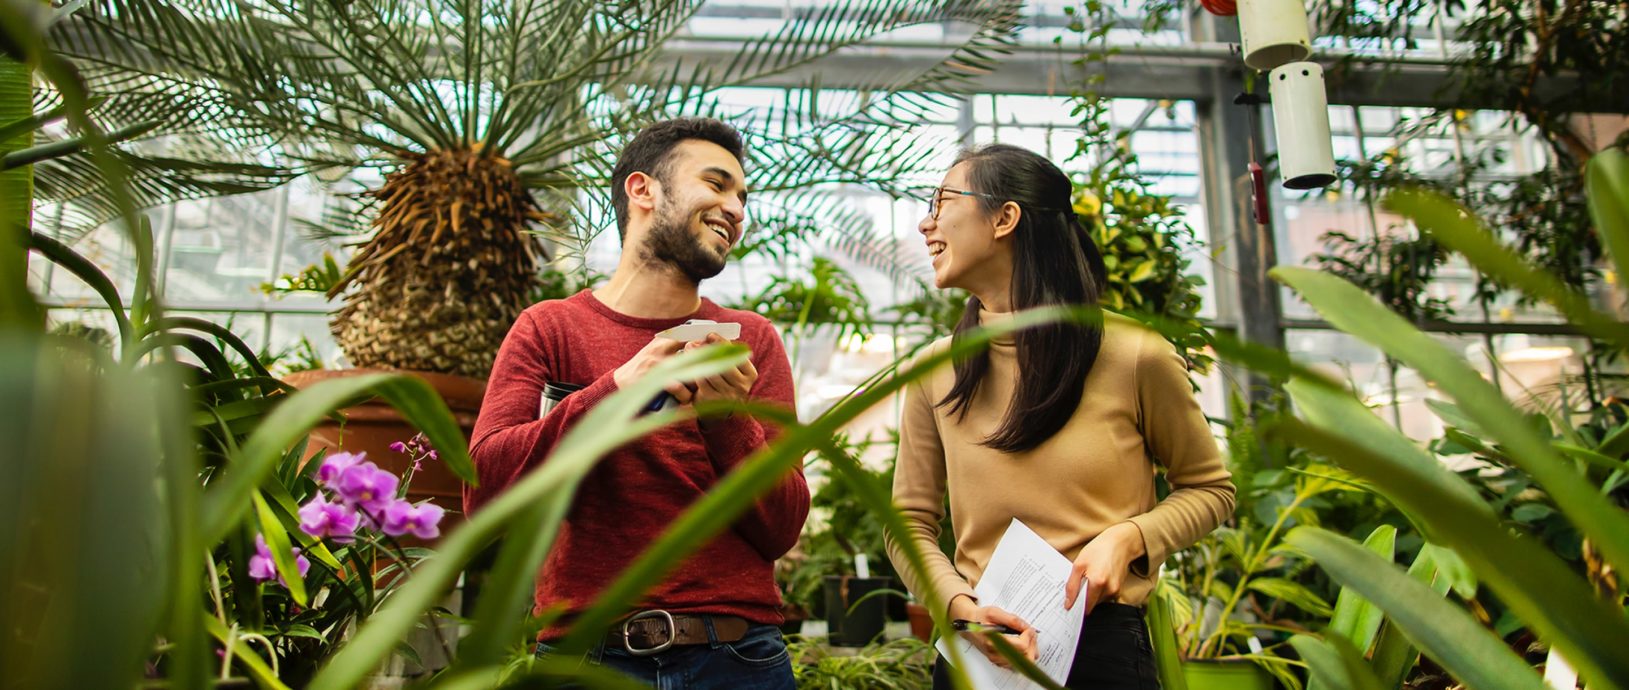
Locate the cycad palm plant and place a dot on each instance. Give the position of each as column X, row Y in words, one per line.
column 484, row 116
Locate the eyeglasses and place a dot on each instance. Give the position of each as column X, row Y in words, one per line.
column 936, row 201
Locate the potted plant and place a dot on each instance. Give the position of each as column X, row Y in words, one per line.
column 1234, row 598
column 822, row 577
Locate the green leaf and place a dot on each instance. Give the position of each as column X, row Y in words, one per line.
column 1592, row 457
column 1457, row 228
column 1349, row 309
column 298, row 630
column 1293, row 593
column 228, row 495
column 86, row 547
column 1357, row 619
column 1162, row 633
column 1337, row 412
column 1606, row 183
column 277, row 542
column 1535, row 583
column 1142, row 272
column 1529, row 512
column 1394, row 656
column 1449, row 414
column 1444, row 631
column 1334, row 664
column 93, row 277
column 1444, row 570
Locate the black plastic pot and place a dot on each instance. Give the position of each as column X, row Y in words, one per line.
column 851, row 625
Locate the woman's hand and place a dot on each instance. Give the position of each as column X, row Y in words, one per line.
column 1103, row 564
column 966, row 609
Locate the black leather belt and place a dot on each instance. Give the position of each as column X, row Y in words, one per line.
column 650, row 632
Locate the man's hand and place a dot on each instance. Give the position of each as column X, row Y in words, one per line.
column 649, row 356
column 1103, row 564
column 734, row 384
column 966, row 609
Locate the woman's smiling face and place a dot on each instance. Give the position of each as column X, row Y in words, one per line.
column 962, row 240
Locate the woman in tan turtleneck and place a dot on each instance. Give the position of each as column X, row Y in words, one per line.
column 1059, row 426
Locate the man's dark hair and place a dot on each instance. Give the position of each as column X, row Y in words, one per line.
column 651, row 152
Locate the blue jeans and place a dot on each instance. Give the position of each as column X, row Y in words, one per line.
column 757, row 661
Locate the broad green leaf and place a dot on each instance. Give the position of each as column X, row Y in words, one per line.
column 282, row 505
column 1616, row 443
column 1337, row 412
column 228, row 495
column 1460, row 230
column 1444, row 570
column 306, row 631
column 1394, row 655
column 1535, row 583
column 1292, row 593
column 1330, row 667
column 1356, row 618
column 1449, row 414
column 1592, row 457
column 1445, row 632
column 85, row 539
column 93, row 277
column 1606, row 182
column 225, row 335
column 1349, row 309
column 277, row 542
column 1162, row 627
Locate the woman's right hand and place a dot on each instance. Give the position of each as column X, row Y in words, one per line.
column 966, row 609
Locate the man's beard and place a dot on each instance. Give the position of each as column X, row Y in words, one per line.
column 671, row 242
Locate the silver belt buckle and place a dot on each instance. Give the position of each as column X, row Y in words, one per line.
column 672, row 633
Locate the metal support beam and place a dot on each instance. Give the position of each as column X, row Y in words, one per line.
column 1176, row 72
column 1245, row 294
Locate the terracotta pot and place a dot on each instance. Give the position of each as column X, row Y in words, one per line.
column 372, row 426
column 921, row 621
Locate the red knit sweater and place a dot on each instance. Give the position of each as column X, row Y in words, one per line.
column 635, row 492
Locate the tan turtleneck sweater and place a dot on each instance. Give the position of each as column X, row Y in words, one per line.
column 1137, row 409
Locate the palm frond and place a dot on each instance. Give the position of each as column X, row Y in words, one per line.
column 76, row 184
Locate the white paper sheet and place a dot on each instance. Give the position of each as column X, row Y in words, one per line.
column 1026, row 577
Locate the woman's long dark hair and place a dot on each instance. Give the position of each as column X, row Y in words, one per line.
column 1054, row 262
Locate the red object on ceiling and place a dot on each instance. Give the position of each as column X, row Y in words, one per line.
column 1224, row 8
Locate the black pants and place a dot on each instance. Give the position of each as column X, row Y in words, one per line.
column 1113, row 654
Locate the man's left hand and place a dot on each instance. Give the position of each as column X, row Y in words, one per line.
column 1103, row 565
column 730, row 385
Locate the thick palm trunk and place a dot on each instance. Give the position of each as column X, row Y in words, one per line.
column 448, row 270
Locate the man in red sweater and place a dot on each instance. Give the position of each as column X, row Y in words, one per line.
column 679, row 192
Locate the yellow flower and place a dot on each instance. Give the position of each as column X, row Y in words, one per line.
column 1088, row 204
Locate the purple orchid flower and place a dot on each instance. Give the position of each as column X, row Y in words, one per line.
column 336, row 521
column 335, row 465
column 263, row 568
column 421, row 520
column 366, row 486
